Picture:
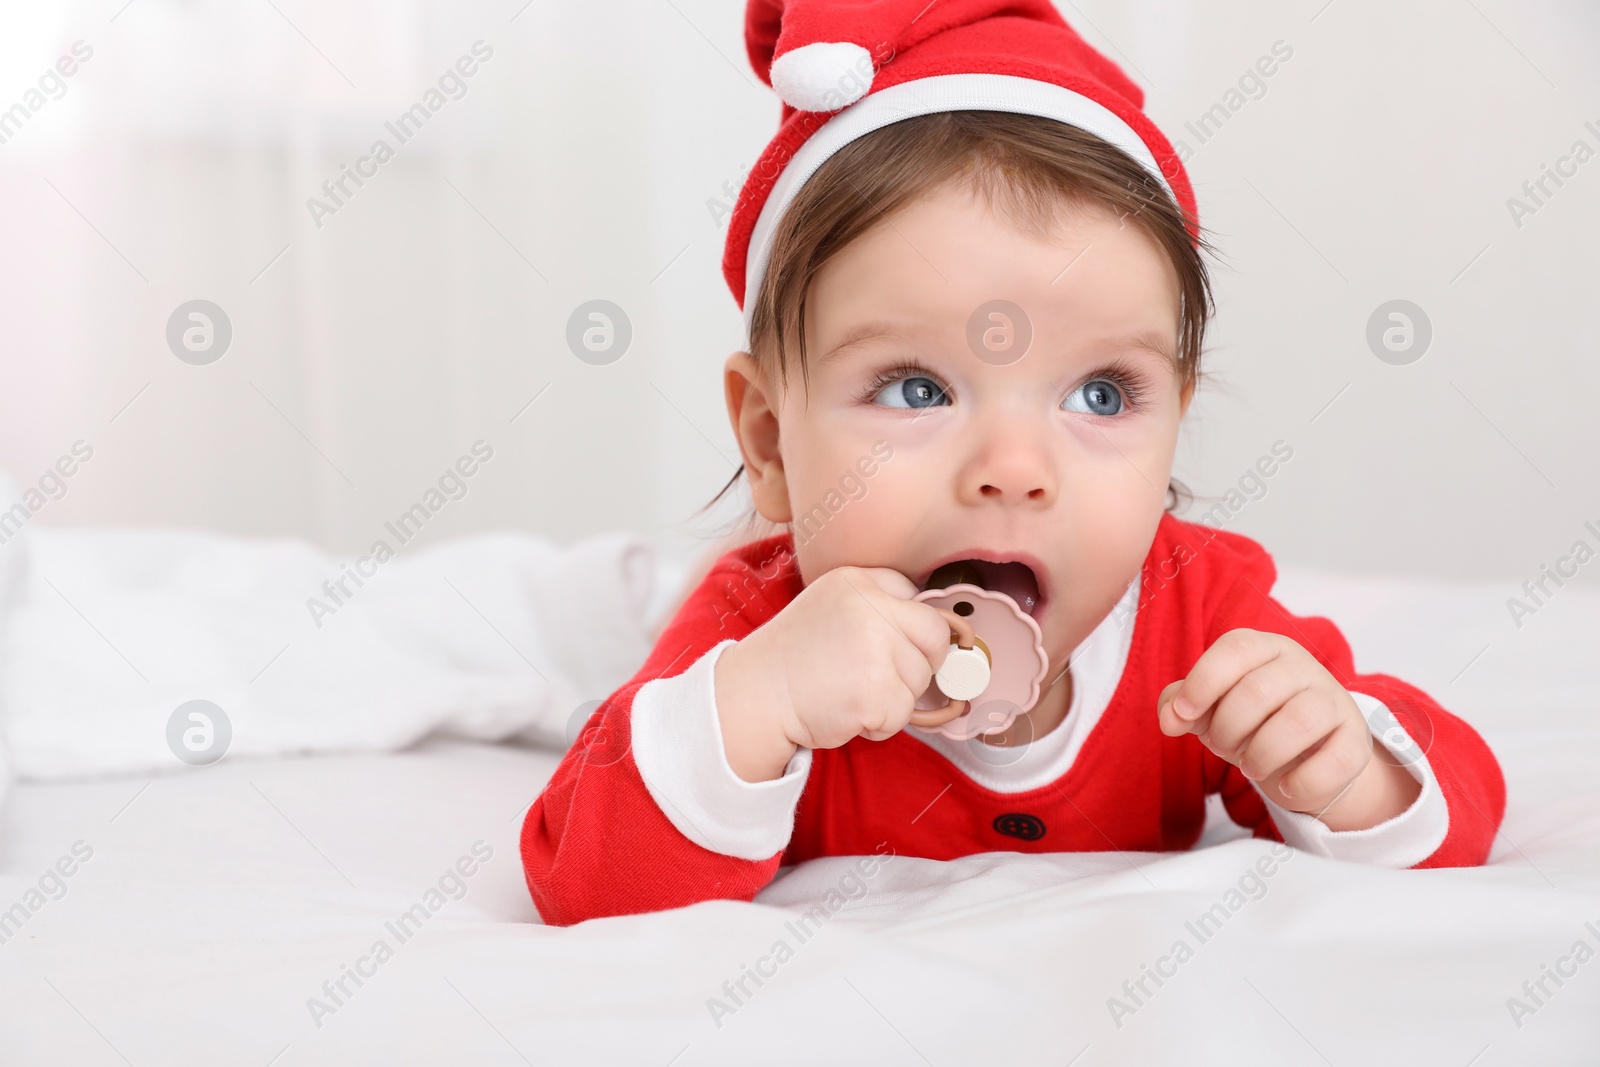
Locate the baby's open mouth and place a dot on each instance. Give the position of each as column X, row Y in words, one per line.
column 1016, row 580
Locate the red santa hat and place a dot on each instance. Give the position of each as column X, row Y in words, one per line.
column 844, row 68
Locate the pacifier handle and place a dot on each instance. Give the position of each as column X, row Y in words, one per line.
column 964, row 637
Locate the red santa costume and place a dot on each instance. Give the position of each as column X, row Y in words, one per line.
column 645, row 813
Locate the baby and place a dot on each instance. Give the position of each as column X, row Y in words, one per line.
column 975, row 303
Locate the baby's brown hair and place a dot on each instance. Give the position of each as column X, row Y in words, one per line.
column 1025, row 165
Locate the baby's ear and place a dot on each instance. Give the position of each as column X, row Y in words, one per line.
column 753, row 414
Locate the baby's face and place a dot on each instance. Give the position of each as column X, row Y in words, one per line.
column 1060, row 456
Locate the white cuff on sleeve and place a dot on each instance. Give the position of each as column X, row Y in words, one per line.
column 677, row 746
column 1403, row 841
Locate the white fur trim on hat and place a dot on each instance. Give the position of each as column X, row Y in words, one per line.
column 924, row 96
column 824, row 76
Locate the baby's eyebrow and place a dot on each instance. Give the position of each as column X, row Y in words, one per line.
column 860, row 334
column 1150, row 341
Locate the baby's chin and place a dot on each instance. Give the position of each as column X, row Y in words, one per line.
column 1059, row 648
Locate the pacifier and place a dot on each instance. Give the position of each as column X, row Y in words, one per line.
column 996, row 665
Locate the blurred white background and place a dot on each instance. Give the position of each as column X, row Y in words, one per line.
column 586, row 158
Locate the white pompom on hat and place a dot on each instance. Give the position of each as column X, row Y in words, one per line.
column 822, row 76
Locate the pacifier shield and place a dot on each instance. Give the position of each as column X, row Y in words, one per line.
column 1016, row 648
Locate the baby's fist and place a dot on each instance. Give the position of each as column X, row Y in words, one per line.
column 1263, row 703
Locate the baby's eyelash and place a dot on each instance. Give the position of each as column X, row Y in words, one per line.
column 1124, row 376
column 903, row 369
column 1133, row 383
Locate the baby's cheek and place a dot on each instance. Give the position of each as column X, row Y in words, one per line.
column 900, row 513
column 848, row 508
column 1114, row 538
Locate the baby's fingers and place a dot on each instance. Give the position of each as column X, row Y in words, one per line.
column 962, row 630
column 1318, row 780
column 1172, row 724
column 1305, row 719
column 1219, row 668
column 889, row 581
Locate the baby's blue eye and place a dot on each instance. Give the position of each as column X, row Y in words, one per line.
column 1100, row 397
column 915, row 391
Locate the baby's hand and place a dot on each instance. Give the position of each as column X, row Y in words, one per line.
column 1263, row 703
column 847, row 657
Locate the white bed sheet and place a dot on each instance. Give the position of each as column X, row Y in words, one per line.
column 218, row 900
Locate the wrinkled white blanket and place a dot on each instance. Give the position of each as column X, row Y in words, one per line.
column 104, row 633
column 218, row 902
